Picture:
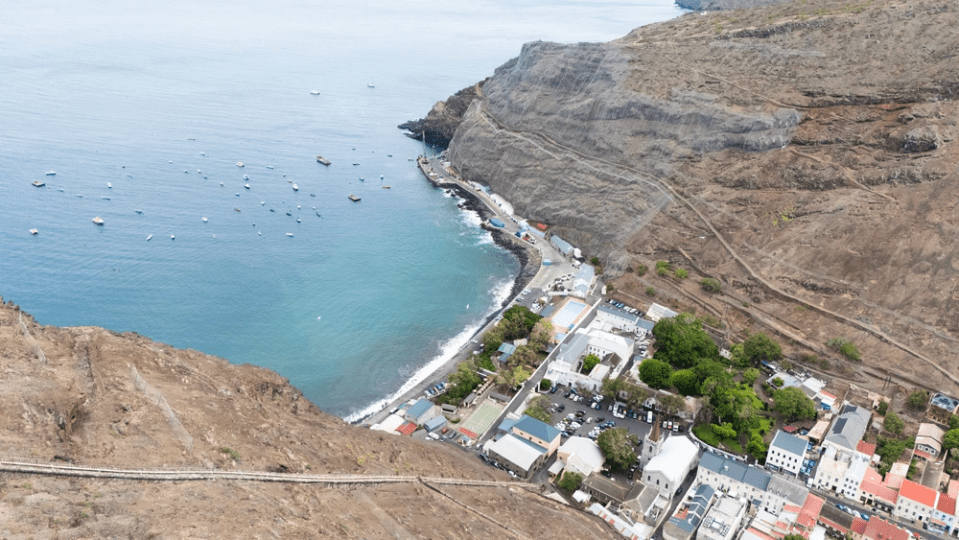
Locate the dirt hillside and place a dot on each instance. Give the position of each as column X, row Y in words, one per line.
column 81, row 403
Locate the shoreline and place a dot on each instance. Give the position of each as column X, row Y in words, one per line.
column 524, row 254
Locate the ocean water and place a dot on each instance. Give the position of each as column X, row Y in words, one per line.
column 162, row 100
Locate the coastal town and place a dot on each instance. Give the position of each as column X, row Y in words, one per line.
column 650, row 419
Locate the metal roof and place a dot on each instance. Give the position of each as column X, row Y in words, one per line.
column 562, row 245
column 435, row 423
column 789, row 443
column 419, row 408
column 535, row 428
column 849, row 428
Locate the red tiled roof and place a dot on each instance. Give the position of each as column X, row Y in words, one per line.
column 946, row 505
column 761, row 534
column 954, row 489
column 805, row 520
column 866, row 448
column 832, row 524
column 407, row 428
column 858, row 525
column 879, row 491
column 812, row 506
column 880, row 529
column 893, row 481
column 791, row 508
column 918, row 492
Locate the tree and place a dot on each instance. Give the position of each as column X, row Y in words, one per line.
column 617, row 446
column 950, row 440
column 594, row 261
column 682, row 342
column 571, row 482
column 750, row 376
column 545, row 384
column 612, row 387
column 793, row 537
column 793, row 404
column 539, row 409
column 637, row 395
column 711, row 285
column 670, row 404
column 954, row 422
column 737, row 356
column 893, row 424
column 725, row 431
column 759, row 347
column 663, row 267
column 882, row 408
column 778, row 382
column 512, row 378
column 641, row 270
column 917, row 400
column 686, row 381
column 539, row 337
column 590, row 362
column 650, row 291
column 655, row 373
column 757, row 449
column 523, row 356
column 681, row 273
column 463, row 381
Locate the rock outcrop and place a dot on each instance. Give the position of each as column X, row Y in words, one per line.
column 808, row 142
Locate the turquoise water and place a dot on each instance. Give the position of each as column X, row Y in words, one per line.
column 364, row 295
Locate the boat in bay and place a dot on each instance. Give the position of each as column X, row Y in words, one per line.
column 354, row 198
column 323, row 160
column 98, row 221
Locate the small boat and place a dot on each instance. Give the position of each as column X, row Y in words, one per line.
column 97, row 220
column 204, row 219
column 381, row 177
column 389, row 155
column 109, row 185
column 259, row 233
column 237, row 194
column 105, row 198
column 315, row 92
column 289, row 214
column 221, row 183
column 237, row 209
column 149, row 238
column 289, row 234
column 172, row 237
column 298, row 220
column 361, row 179
column 386, row 187
column 354, row 198
column 296, row 187
column 247, row 186
column 198, row 171
column 262, row 203
column 34, row 232
column 138, row 211
column 370, row 85
column 269, row 166
column 51, row 173
column 323, row 160
column 356, row 164
column 246, row 177
column 240, row 164
column 37, row 183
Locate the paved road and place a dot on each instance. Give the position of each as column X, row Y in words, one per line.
column 906, row 524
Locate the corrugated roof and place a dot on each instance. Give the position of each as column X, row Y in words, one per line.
column 849, row 428
column 435, row 423
column 789, row 443
column 918, row 493
column 419, row 408
column 756, row 478
column 407, row 428
column 535, row 428
column 516, row 450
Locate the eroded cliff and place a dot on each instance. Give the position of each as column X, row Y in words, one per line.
column 804, row 153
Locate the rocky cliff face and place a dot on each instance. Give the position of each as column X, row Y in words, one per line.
column 101, row 399
column 804, row 153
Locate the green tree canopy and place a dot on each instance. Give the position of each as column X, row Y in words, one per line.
column 950, row 440
column 917, row 400
column 618, row 446
column 463, row 381
column 686, row 381
column 682, row 342
column 759, row 347
column 793, row 404
column 590, row 362
column 893, row 424
column 612, row 387
column 670, row 404
column 954, row 422
column 757, row 449
column 571, row 482
column 725, row 431
column 539, row 409
column 655, row 373
column 750, row 376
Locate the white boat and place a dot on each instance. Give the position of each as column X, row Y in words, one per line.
column 51, row 173
column 34, row 232
column 246, row 177
column 262, row 203
column 37, row 183
column 97, row 220
column 109, row 185
column 315, row 92
column 289, row 234
column 298, row 220
column 269, row 166
column 240, row 164
column 237, row 209
column 247, row 186
column 172, row 237
column 138, row 211
column 204, row 219
column 370, row 85
column 259, row 233
column 149, row 238
column 296, row 187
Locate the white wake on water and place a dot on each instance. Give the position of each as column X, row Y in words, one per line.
column 447, row 350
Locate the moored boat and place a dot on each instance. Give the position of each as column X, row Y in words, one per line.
column 323, row 160
column 354, row 198
column 240, row 164
column 98, row 221
column 37, row 183
column 51, row 173
column 296, row 187
column 34, row 232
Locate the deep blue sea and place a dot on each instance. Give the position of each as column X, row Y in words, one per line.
column 161, row 100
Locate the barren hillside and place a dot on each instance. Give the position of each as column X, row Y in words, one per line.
column 803, row 153
column 84, row 405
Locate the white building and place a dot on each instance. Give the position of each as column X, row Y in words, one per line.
column 769, row 492
column 581, row 455
column 916, row 502
column 667, row 470
column 786, row 453
column 929, row 441
column 841, row 471
column 617, row 318
column 583, row 280
column 657, row 312
column 565, row 367
column 722, row 520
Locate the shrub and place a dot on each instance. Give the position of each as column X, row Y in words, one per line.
column 777, row 382
column 681, row 273
column 893, row 424
column 590, row 362
column 650, row 291
column 594, row 261
column 711, row 285
column 750, row 376
column 570, row 481
column 759, row 347
column 845, row 347
column 545, row 384
column 882, row 408
column 641, row 271
column 230, row 452
column 917, row 400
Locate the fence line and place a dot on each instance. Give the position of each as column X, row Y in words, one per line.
column 30, row 340
column 156, row 397
column 330, row 480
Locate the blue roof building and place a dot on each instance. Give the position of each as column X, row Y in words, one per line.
column 497, row 223
column 422, row 411
column 539, row 433
column 683, row 524
column 435, row 423
column 563, row 246
column 506, row 350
